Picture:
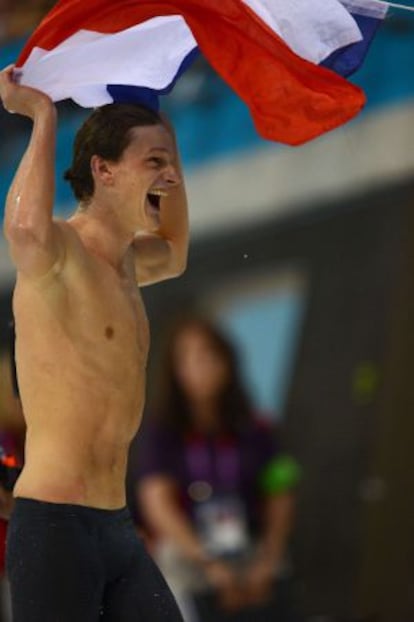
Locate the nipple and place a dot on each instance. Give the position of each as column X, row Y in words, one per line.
column 109, row 332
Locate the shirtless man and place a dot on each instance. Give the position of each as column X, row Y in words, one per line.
column 82, row 341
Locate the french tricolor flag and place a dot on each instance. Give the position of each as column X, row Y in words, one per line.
column 270, row 52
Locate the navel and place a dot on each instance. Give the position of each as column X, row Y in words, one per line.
column 109, row 332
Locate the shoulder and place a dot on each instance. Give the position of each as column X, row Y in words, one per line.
column 76, row 255
column 66, row 236
column 69, row 235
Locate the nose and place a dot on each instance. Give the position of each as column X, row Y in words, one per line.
column 171, row 176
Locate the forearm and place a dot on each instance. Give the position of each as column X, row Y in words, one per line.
column 165, row 517
column 174, row 223
column 173, row 525
column 29, row 203
column 162, row 254
column 174, row 226
column 219, row 574
column 277, row 526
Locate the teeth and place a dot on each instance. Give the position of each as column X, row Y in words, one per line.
column 159, row 193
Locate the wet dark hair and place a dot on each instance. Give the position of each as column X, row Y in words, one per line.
column 171, row 406
column 107, row 132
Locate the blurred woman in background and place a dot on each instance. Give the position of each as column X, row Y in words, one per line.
column 213, row 488
column 12, row 435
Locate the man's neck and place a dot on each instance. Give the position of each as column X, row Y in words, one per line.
column 102, row 232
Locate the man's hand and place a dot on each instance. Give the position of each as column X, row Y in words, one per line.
column 21, row 99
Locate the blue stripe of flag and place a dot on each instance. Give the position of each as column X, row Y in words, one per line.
column 349, row 59
column 149, row 98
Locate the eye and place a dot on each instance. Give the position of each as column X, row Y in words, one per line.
column 157, row 162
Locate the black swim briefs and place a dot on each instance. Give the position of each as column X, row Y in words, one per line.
column 70, row 563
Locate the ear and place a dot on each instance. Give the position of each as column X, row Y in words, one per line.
column 102, row 170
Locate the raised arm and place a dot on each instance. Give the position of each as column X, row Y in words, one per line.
column 163, row 255
column 34, row 240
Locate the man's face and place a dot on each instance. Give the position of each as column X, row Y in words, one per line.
column 144, row 176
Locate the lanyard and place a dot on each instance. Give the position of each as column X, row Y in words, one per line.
column 214, row 461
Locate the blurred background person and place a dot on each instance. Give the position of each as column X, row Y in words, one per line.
column 12, row 433
column 4, row 13
column 19, row 17
column 214, row 489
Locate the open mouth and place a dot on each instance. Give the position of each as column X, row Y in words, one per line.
column 154, row 198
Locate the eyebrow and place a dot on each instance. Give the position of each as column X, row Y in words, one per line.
column 160, row 149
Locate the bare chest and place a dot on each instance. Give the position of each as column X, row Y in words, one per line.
column 100, row 314
column 117, row 312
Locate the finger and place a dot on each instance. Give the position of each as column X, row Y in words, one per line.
column 10, row 75
column 7, row 72
column 17, row 75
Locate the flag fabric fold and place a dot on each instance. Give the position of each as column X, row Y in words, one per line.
column 368, row 16
column 268, row 51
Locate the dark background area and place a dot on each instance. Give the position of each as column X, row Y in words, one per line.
column 349, row 414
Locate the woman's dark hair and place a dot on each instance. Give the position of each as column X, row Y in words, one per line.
column 107, row 132
column 171, row 404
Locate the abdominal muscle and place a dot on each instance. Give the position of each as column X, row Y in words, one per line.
column 82, row 399
column 76, row 449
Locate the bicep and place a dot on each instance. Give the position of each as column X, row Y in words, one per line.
column 155, row 259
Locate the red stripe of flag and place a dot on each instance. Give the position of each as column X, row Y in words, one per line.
column 290, row 99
